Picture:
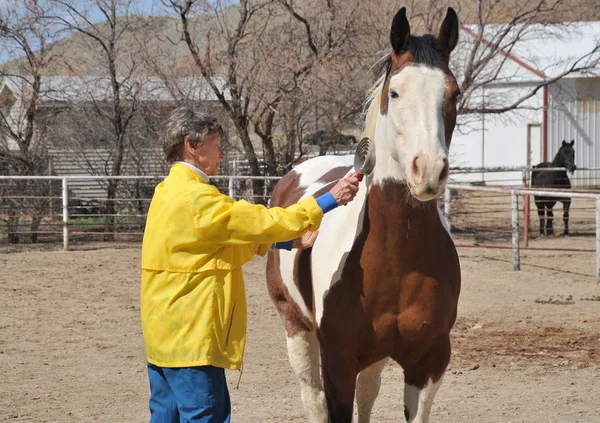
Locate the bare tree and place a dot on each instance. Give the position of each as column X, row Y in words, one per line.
column 284, row 68
column 220, row 54
column 111, row 93
column 24, row 38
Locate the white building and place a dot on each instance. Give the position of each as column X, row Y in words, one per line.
column 564, row 110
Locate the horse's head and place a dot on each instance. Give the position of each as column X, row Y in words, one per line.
column 418, row 103
column 566, row 156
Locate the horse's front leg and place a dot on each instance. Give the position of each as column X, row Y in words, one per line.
column 541, row 213
column 422, row 379
column 549, row 222
column 339, row 379
column 367, row 389
column 566, row 206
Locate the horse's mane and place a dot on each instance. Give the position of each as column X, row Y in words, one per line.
column 380, row 69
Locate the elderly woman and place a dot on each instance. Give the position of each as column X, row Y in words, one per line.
column 193, row 301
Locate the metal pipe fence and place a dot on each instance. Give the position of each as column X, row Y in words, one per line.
column 515, row 210
column 51, row 212
column 30, row 212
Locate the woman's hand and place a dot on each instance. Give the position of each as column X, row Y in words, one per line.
column 345, row 190
column 305, row 241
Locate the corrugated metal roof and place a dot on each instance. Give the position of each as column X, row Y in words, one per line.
column 550, row 49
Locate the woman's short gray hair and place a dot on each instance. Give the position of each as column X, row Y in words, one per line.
column 186, row 122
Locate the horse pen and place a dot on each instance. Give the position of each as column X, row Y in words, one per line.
column 525, row 344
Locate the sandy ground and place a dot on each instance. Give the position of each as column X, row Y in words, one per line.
column 526, row 344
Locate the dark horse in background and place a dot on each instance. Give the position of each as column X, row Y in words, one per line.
column 554, row 179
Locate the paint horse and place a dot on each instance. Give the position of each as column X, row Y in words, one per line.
column 382, row 279
column 565, row 157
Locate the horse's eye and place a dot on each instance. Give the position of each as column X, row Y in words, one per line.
column 393, row 94
column 456, row 96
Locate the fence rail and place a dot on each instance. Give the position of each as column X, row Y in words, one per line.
column 70, row 218
column 525, row 192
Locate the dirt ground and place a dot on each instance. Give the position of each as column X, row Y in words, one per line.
column 526, row 344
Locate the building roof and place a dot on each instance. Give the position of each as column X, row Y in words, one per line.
column 544, row 51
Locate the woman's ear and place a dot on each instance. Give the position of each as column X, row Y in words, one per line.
column 187, row 145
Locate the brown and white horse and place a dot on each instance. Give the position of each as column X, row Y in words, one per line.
column 383, row 277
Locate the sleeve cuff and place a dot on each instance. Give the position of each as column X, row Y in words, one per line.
column 285, row 245
column 326, row 202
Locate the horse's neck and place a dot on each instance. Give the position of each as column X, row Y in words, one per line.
column 558, row 161
column 393, row 211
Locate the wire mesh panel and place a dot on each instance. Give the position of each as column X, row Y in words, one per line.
column 28, row 209
column 31, row 210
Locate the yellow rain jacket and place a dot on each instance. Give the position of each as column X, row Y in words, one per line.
column 193, row 300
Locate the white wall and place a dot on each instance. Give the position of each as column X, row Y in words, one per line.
column 502, row 137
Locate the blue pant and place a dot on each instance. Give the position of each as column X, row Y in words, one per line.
column 188, row 394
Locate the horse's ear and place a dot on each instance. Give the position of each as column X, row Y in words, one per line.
column 448, row 36
column 572, row 143
column 400, row 31
column 564, row 142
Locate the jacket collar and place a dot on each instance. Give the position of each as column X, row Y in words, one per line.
column 189, row 169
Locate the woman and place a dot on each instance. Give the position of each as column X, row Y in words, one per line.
column 193, row 301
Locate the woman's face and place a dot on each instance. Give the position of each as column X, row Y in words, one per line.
column 208, row 155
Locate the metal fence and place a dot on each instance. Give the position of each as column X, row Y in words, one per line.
column 43, row 209
column 516, row 211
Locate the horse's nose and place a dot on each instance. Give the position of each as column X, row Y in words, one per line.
column 434, row 175
column 428, row 177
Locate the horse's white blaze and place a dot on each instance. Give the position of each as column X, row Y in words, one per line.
column 367, row 389
column 418, row 402
column 413, row 125
column 303, row 352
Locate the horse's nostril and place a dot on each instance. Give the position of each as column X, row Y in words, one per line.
column 416, row 170
column 430, row 189
column 444, row 172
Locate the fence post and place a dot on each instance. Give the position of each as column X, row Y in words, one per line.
column 515, row 231
column 598, row 240
column 65, row 207
column 231, row 190
column 265, row 190
column 526, row 212
column 447, row 207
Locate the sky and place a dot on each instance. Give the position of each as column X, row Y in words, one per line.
column 145, row 7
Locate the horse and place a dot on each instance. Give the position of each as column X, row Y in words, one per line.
column 565, row 157
column 382, row 280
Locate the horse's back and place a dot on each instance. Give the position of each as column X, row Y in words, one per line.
column 309, row 178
